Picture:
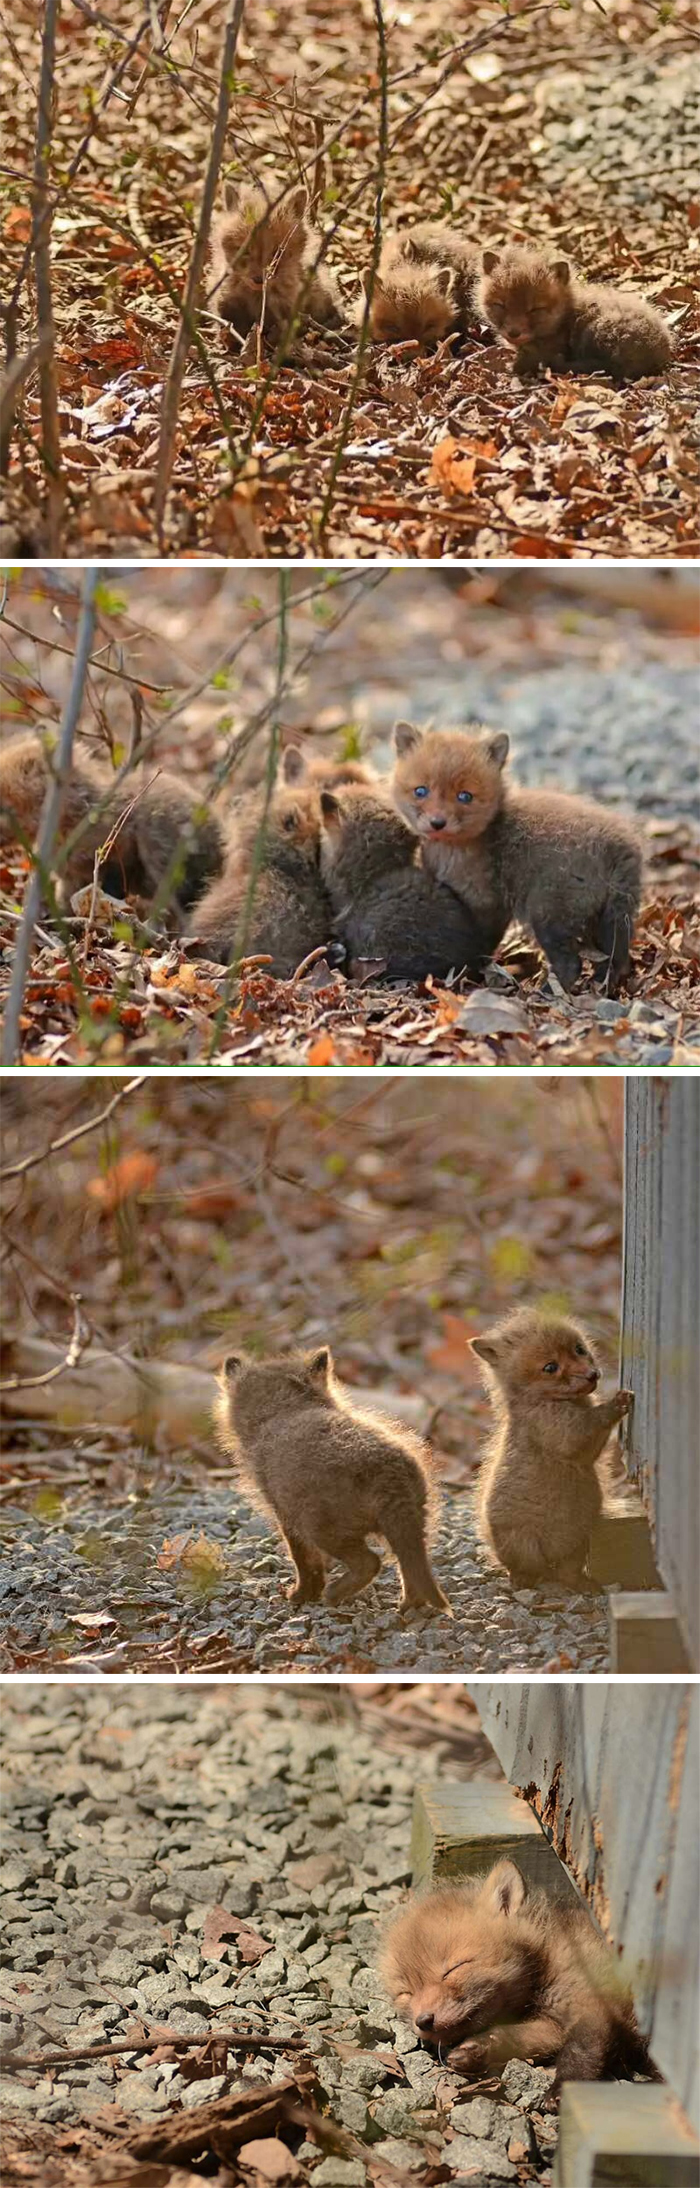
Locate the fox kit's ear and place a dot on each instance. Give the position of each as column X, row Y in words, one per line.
column 505, row 1888
column 366, row 279
column 331, row 810
column 232, row 1366
column 230, row 197
column 561, row 269
column 406, row 736
column 293, row 764
column 319, row 1363
column 484, row 1347
column 445, row 280
column 498, row 747
column 298, row 201
column 489, row 259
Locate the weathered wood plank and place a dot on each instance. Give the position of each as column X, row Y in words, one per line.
column 645, row 1634
column 629, row 2134
column 621, row 1548
column 660, row 1345
column 460, row 1830
column 612, row 1770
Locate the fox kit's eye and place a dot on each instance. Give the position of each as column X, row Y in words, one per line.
column 464, row 797
column 421, row 790
column 289, row 822
column 551, row 1368
column 581, row 1350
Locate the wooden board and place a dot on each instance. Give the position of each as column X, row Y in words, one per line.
column 623, row 2135
column 645, row 1634
column 461, row 1830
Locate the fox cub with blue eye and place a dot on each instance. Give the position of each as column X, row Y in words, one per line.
column 570, row 870
column 539, row 1492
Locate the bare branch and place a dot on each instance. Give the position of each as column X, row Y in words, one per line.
column 55, row 1147
column 363, row 336
column 41, row 236
column 50, row 818
column 19, row 371
column 176, row 368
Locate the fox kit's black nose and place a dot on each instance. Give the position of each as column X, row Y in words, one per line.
column 424, row 2021
column 437, row 825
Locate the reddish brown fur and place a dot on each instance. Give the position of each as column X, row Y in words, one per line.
column 567, row 868
column 168, row 838
column 424, row 286
column 539, row 308
column 385, row 905
column 330, row 1473
column 538, row 1491
column 262, row 253
column 290, row 913
column 492, row 1971
column 299, row 765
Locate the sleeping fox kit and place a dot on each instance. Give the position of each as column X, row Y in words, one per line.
column 384, row 904
column 492, row 1970
column 330, row 1474
column 538, row 1492
column 538, row 307
column 290, row 913
column 424, row 285
column 569, row 869
column 263, row 251
column 165, row 838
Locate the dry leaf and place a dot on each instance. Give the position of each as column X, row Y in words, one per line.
column 133, row 1174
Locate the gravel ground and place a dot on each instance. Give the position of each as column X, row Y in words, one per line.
column 238, row 1619
column 128, row 1818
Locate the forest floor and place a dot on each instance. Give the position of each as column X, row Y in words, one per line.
column 206, row 1215
column 596, row 695
column 177, row 1865
column 572, row 126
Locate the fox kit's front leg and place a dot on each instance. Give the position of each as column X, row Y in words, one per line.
column 604, row 1417
column 536, row 2039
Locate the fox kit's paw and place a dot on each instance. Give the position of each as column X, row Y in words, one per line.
column 473, row 2057
column 624, row 1402
column 436, row 1602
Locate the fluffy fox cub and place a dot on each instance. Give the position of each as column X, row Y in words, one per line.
column 425, row 285
column 330, row 1474
column 290, row 912
column 538, row 306
column 166, row 837
column 493, row 1970
column 262, row 255
column 384, row 905
column 301, row 766
column 569, row 869
column 539, row 1492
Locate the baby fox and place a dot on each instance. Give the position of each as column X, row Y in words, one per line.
column 262, row 254
column 569, row 869
column 538, row 307
column 290, row 913
column 301, row 766
column 384, row 904
column 494, row 1971
column 167, row 835
column 330, row 1474
column 538, row 1492
column 424, row 286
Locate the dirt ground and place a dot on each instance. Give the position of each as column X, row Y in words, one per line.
column 575, row 126
column 594, row 676
column 202, row 1217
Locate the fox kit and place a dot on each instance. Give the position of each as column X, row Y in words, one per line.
column 538, row 307
column 262, row 255
column 290, row 913
column 492, row 1970
column 424, row 286
column 384, row 904
column 330, row 1474
column 300, row 766
column 167, row 837
column 569, row 869
column 539, row 1492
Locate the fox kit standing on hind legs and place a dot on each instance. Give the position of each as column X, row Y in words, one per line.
column 569, row 869
column 538, row 1492
column 330, row 1474
column 493, row 1970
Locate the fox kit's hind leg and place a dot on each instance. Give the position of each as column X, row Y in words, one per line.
column 560, row 951
column 310, row 1571
column 361, row 1565
column 419, row 1588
